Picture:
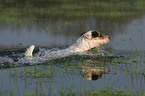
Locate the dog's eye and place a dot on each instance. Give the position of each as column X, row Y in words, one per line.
column 95, row 34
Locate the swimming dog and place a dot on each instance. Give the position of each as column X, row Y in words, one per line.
column 87, row 40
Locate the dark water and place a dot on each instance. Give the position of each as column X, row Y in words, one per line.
column 125, row 72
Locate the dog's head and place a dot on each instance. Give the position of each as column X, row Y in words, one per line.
column 94, row 39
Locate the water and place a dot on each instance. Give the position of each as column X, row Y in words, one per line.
column 125, row 70
column 130, row 35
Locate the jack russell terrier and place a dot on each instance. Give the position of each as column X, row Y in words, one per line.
column 87, row 40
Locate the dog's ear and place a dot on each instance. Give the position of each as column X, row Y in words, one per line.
column 86, row 35
column 82, row 33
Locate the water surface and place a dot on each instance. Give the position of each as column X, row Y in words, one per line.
column 124, row 71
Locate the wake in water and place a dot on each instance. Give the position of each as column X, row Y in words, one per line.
column 44, row 55
column 87, row 41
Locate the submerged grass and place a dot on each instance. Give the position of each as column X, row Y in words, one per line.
column 109, row 92
column 43, row 74
column 99, row 92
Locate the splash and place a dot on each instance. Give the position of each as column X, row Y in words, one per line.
column 44, row 55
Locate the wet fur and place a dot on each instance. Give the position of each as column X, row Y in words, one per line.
column 87, row 40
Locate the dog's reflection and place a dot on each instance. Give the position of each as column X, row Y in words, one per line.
column 93, row 70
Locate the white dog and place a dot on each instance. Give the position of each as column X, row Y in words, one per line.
column 87, row 40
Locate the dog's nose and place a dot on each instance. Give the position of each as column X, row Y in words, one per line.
column 107, row 37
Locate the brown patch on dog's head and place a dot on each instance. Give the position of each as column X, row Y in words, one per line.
column 93, row 35
column 96, row 35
